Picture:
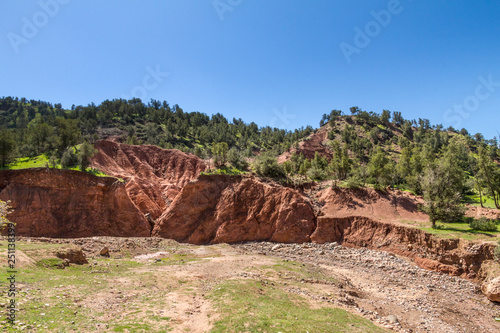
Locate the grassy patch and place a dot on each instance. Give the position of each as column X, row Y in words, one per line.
column 178, row 259
column 253, row 306
column 299, row 271
column 455, row 230
column 474, row 200
column 41, row 161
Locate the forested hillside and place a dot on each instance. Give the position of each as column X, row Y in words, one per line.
column 352, row 149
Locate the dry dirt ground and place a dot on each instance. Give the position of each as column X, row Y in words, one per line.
column 166, row 286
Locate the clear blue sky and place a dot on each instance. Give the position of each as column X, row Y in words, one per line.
column 280, row 62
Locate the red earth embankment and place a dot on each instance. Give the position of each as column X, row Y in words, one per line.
column 216, row 209
column 388, row 206
column 451, row 256
column 154, row 176
column 68, row 204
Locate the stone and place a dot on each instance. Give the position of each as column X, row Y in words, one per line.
column 104, row 252
column 73, row 256
column 491, row 289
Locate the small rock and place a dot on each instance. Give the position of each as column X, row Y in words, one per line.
column 276, row 247
column 392, row 319
column 491, row 289
column 104, row 252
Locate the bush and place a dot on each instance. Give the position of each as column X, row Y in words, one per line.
column 496, row 252
column 483, row 224
column 316, row 173
column 69, row 158
column 267, row 166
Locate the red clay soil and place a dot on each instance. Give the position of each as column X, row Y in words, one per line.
column 312, row 144
column 68, row 204
column 478, row 212
column 216, row 209
column 451, row 256
column 387, row 206
column 154, row 176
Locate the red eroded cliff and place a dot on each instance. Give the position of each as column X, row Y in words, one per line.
column 65, row 203
column 390, row 205
column 216, row 209
column 154, row 176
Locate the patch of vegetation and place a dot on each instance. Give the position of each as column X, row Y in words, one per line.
column 51, row 263
column 178, row 259
column 302, row 271
column 42, row 161
column 225, row 170
column 254, row 306
column 483, row 224
column 455, row 230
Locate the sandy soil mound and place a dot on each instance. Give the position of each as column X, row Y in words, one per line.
column 217, row 209
column 154, row 176
column 65, row 203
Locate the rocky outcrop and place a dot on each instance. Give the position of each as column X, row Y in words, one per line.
column 154, row 176
column 65, row 203
column 216, row 209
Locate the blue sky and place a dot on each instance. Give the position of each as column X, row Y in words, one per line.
column 281, row 63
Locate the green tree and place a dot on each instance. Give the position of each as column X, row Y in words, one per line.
column 85, row 153
column 236, row 159
column 268, row 166
column 219, row 151
column 442, row 184
column 7, row 145
column 488, row 175
column 69, row 133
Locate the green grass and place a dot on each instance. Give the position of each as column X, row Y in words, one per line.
column 455, row 230
column 225, row 170
column 473, row 199
column 41, row 161
column 254, row 306
column 301, row 271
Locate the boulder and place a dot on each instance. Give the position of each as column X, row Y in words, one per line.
column 491, row 289
column 73, row 256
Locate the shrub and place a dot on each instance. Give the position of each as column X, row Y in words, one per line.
column 316, row 173
column 69, row 158
column 496, row 252
column 483, row 224
column 267, row 166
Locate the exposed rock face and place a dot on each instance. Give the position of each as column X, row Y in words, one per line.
column 451, row 256
column 215, row 209
column 154, row 176
column 65, row 203
column 491, row 289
